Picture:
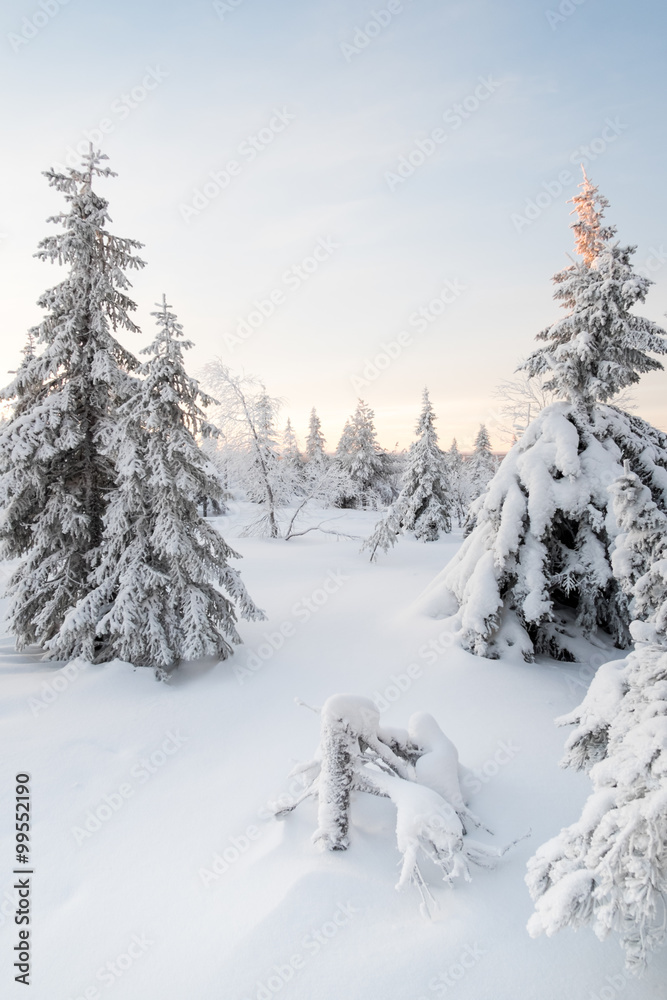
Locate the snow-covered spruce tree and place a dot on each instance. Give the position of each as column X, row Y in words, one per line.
column 609, row 869
column 365, row 462
column 458, row 482
column 22, row 482
column 315, row 441
column 478, row 471
column 267, row 457
column 481, row 467
column 290, row 449
column 215, row 505
column 343, row 459
column 157, row 599
column 590, row 235
column 424, row 505
column 600, row 347
column 536, row 571
column 57, row 459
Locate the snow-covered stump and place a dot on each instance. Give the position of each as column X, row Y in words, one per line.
column 417, row 769
column 349, row 727
column 335, row 784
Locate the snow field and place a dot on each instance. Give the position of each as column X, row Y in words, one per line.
column 200, row 761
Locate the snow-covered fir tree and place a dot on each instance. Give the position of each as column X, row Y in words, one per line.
column 56, row 451
column 265, row 416
column 481, row 467
column 458, row 482
column 424, row 505
column 478, row 471
column 343, row 459
column 158, row 596
column 345, row 444
column 21, row 481
column 367, row 465
column 215, row 505
column 599, row 347
column 290, row 449
column 641, row 550
column 609, row 869
column 535, row 572
column 590, row 234
column 315, row 441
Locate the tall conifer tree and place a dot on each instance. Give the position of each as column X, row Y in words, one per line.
column 157, row 598
column 59, row 441
column 535, row 572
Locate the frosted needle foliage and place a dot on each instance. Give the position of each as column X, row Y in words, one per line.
column 164, row 588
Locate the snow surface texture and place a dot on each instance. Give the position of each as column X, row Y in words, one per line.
column 192, row 860
column 543, row 534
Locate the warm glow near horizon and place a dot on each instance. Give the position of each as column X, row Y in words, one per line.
column 341, row 220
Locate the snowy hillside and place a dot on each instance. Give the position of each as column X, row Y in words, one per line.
column 159, row 874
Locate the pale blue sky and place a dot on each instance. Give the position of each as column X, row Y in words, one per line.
column 593, row 78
